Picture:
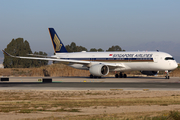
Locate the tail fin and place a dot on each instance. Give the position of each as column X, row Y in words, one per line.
column 56, row 41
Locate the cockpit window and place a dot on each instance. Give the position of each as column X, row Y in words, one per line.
column 169, row 58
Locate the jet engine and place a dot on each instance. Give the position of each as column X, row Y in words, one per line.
column 149, row 73
column 99, row 70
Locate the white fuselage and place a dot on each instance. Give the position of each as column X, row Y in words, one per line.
column 143, row 61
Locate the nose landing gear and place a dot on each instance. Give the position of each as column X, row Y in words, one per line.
column 167, row 74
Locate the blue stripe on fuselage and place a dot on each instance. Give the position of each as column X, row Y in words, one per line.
column 111, row 59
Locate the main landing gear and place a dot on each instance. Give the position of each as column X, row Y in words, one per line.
column 167, row 74
column 92, row 76
column 120, row 75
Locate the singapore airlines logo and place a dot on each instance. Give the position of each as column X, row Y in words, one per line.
column 57, row 42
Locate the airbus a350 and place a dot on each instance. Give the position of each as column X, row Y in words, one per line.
column 101, row 63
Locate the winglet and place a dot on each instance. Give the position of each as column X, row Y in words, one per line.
column 6, row 53
column 9, row 54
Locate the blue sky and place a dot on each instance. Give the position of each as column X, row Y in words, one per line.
column 89, row 23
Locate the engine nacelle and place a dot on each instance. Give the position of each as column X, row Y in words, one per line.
column 99, row 70
column 149, row 73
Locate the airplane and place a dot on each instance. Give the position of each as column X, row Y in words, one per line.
column 101, row 63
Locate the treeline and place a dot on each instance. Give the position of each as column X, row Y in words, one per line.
column 21, row 47
column 74, row 48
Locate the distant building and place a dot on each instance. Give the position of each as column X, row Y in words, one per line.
column 1, row 66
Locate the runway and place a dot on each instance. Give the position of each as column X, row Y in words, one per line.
column 79, row 83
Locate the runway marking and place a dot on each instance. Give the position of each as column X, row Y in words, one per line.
column 145, row 89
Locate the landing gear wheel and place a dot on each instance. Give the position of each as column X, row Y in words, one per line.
column 167, row 77
column 120, row 75
column 95, row 76
column 125, row 76
column 91, row 76
column 116, row 76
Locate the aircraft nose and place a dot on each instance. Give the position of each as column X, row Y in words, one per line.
column 175, row 65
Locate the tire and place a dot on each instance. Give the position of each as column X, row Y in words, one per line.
column 91, row 76
column 120, row 75
column 116, row 76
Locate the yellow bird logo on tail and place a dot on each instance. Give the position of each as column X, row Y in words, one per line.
column 57, row 42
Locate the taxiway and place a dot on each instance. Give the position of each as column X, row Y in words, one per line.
column 82, row 83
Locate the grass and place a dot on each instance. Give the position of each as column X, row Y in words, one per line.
column 171, row 115
column 27, row 102
column 66, row 110
column 57, row 102
column 52, row 70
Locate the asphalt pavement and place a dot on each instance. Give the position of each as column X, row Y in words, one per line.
column 83, row 83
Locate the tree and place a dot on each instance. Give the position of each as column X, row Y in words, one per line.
column 115, row 48
column 73, row 48
column 39, row 63
column 80, row 48
column 17, row 47
column 93, row 50
column 100, row 50
column 96, row 50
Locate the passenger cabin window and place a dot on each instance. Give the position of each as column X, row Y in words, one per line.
column 169, row 58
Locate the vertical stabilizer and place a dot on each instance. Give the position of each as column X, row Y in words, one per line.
column 56, row 41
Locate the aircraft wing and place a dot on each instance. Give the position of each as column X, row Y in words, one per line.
column 42, row 56
column 87, row 63
column 47, row 58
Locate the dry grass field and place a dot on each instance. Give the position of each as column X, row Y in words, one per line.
column 85, row 105
column 51, row 70
column 56, row 70
column 89, row 105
